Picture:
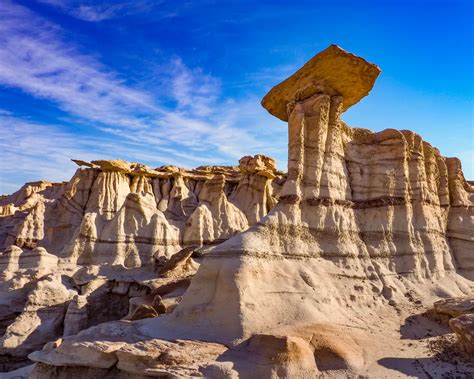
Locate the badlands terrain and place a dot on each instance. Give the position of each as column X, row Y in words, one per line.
column 357, row 262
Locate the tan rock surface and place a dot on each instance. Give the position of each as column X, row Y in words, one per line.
column 325, row 272
column 112, row 165
column 179, row 265
column 348, row 75
column 143, row 311
column 41, row 319
column 106, row 231
column 123, row 345
column 454, row 307
column 215, row 218
column 463, row 326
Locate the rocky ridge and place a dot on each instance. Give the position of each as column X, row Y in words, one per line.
column 107, row 236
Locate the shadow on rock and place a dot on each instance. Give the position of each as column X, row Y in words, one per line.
column 420, row 326
column 428, row 368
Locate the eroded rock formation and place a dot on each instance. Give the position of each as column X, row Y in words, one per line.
column 103, row 237
column 327, row 271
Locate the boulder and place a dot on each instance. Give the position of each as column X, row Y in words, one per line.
column 455, row 307
column 463, row 326
column 180, row 264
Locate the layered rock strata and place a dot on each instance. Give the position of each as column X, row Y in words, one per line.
column 369, row 229
column 103, row 236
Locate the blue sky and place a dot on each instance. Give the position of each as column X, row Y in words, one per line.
column 180, row 82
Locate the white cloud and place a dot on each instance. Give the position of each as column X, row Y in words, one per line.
column 193, row 89
column 95, row 11
column 33, row 151
column 200, row 128
column 35, row 60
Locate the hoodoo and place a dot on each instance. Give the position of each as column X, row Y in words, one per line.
column 368, row 231
column 334, row 71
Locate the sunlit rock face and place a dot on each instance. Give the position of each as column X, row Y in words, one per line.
column 227, row 272
column 363, row 220
column 102, row 237
column 114, row 212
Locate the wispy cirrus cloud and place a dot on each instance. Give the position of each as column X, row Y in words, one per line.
column 34, row 59
column 185, row 121
column 94, row 11
column 193, row 90
column 35, row 151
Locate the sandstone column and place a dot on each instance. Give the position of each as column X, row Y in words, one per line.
column 311, row 100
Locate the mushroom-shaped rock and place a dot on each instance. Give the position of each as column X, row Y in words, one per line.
column 348, row 75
